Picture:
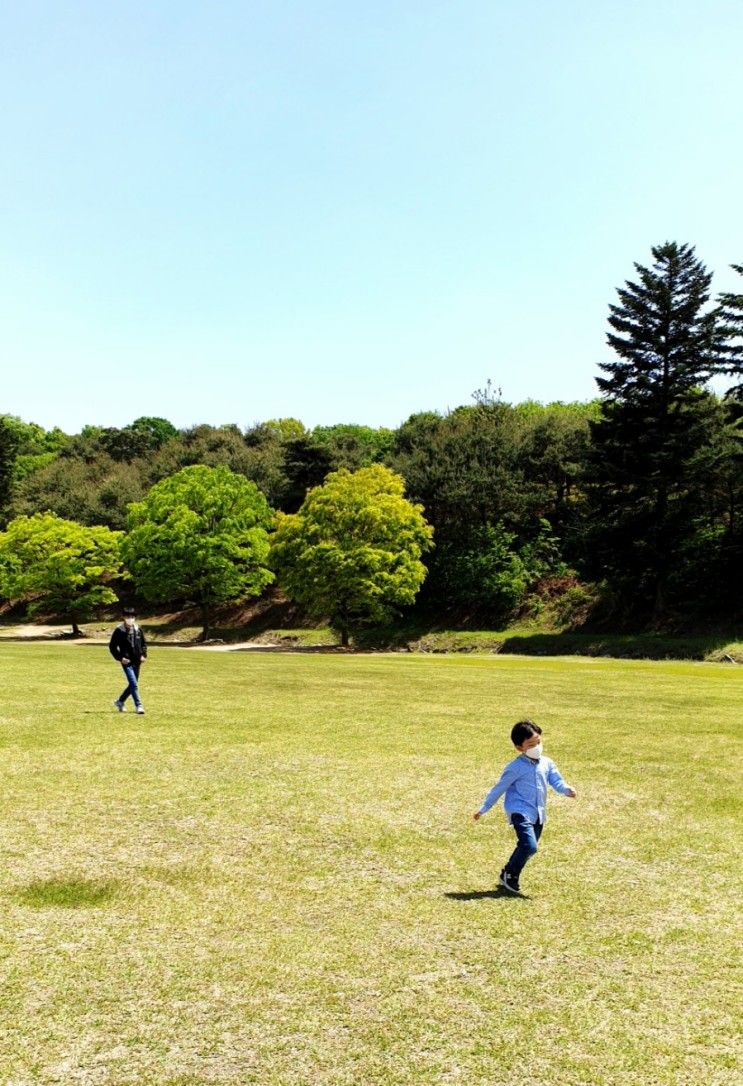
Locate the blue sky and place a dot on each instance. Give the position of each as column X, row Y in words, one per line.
column 346, row 212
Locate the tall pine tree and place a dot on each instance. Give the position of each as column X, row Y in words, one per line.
column 655, row 421
column 731, row 314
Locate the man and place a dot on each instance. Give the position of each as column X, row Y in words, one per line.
column 128, row 646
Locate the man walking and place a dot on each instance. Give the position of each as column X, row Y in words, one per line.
column 128, row 646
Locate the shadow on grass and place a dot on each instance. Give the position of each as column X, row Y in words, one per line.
column 639, row 646
column 104, row 710
column 332, row 650
column 229, row 624
column 480, row 895
column 218, row 644
column 431, row 638
column 70, row 893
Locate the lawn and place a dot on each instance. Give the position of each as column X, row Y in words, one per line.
column 274, row 877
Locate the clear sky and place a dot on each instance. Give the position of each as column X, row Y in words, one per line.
column 346, row 211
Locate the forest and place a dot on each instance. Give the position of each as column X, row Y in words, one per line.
column 624, row 512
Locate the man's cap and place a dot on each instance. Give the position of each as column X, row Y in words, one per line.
column 128, row 611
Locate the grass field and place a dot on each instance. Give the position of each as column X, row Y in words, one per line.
column 274, row 877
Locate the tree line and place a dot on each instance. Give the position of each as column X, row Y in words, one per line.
column 627, row 508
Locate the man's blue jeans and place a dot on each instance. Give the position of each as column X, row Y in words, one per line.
column 528, row 833
column 132, row 674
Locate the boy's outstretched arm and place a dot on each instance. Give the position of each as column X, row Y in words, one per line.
column 559, row 785
column 495, row 792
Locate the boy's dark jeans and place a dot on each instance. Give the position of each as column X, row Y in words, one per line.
column 528, row 833
column 132, row 674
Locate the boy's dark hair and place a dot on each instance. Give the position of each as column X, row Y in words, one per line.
column 524, row 730
column 129, row 611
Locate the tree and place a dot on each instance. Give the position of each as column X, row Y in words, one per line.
column 353, row 551
column 214, row 446
column 731, row 314
column 59, row 565
column 655, row 421
column 467, row 470
column 24, row 448
column 155, row 431
column 89, row 490
column 706, row 572
column 352, row 446
column 553, row 444
column 141, row 438
column 200, row 534
column 8, row 455
column 264, row 453
column 306, row 464
column 463, row 466
column 287, row 428
column 285, row 461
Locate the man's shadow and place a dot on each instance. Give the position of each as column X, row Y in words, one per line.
column 478, row 895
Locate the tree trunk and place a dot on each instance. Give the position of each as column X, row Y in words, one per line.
column 204, row 622
column 344, row 638
column 76, row 631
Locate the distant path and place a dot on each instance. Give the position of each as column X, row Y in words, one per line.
column 36, row 631
column 61, row 635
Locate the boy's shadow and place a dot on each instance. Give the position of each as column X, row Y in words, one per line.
column 478, row 895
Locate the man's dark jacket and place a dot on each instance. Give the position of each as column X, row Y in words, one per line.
column 128, row 644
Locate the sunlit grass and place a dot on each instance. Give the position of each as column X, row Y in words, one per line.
column 273, row 877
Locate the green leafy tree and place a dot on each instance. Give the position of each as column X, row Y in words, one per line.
column 24, row 448
column 141, row 438
column 655, row 422
column 155, row 430
column 553, row 444
column 352, row 446
column 353, row 551
column 285, row 461
column 264, row 458
column 491, row 574
column 484, row 476
column 8, row 454
column 286, row 429
column 201, row 534
column 463, row 467
column 90, row 490
column 34, row 439
column 306, row 464
column 213, row 446
column 59, row 565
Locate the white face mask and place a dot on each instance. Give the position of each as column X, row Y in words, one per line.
column 129, row 622
column 534, row 752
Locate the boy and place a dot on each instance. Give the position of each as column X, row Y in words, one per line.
column 524, row 782
column 128, row 646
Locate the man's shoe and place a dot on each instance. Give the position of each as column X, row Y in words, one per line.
column 140, row 710
column 508, row 882
column 120, row 705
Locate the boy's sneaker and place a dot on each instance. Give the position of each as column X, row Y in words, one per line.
column 508, row 882
column 140, row 710
column 120, row 705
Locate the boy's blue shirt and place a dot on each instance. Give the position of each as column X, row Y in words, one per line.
column 524, row 782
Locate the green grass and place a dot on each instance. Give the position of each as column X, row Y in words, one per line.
column 273, row 877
